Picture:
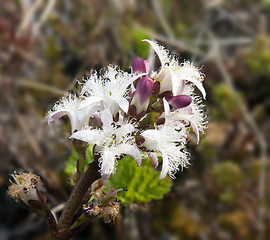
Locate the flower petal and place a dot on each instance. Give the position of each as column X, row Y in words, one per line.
column 150, row 134
column 165, row 166
column 188, row 110
column 177, row 85
column 90, row 136
column 91, row 102
column 56, row 115
column 107, row 162
column 166, row 83
column 197, row 83
column 106, row 118
column 151, row 137
column 162, row 54
column 166, row 107
column 147, row 66
column 153, row 158
column 123, row 104
column 73, row 117
column 131, row 150
column 195, row 129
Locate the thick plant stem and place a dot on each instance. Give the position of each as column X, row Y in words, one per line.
column 75, row 200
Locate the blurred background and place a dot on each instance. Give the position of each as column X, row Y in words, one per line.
column 47, row 45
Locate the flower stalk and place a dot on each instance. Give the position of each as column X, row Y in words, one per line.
column 75, row 200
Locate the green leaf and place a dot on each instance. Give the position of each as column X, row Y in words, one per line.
column 71, row 165
column 89, row 154
column 142, row 182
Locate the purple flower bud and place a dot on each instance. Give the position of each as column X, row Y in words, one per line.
column 180, row 101
column 142, row 94
column 144, row 89
column 140, row 66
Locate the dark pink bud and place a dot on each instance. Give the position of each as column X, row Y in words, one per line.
column 180, row 101
column 140, row 66
column 144, row 89
column 141, row 96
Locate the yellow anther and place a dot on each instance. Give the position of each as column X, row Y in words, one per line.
column 113, row 139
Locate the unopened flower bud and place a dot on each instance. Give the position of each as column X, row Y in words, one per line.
column 142, row 94
column 180, row 101
column 140, row 66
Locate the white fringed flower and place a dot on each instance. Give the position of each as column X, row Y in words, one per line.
column 69, row 106
column 169, row 142
column 109, row 90
column 193, row 115
column 172, row 76
column 113, row 140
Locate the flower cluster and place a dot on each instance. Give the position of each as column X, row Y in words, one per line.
column 140, row 114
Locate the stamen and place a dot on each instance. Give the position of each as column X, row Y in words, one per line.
column 113, row 139
column 125, row 189
column 182, row 150
column 188, row 125
column 72, row 92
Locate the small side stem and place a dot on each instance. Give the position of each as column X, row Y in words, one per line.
column 80, row 220
column 75, row 200
column 51, row 220
column 80, row 148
